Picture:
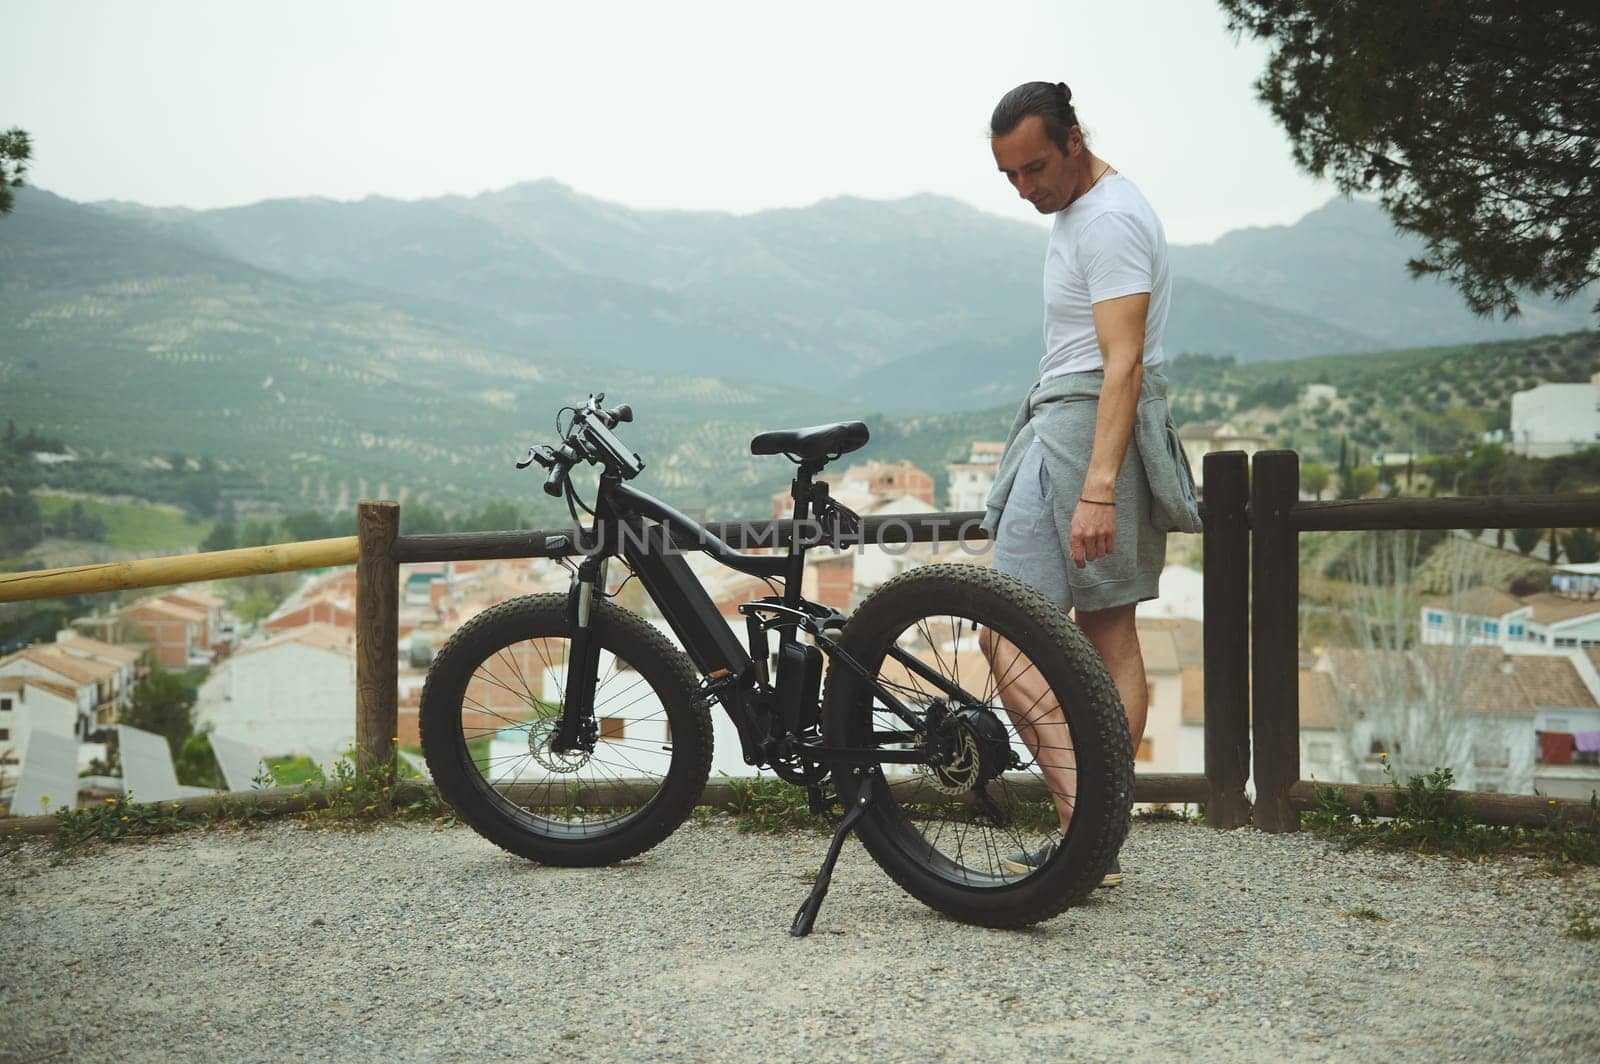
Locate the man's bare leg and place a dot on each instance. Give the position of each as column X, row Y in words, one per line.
column 1116, row 637
column 1037, row 717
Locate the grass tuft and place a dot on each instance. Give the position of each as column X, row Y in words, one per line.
column 1430, row 819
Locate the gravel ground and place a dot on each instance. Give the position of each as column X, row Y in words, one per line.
column 412, row 942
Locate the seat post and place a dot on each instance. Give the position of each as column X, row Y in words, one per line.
column 800, row 491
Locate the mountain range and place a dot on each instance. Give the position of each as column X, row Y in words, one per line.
column 413, row 343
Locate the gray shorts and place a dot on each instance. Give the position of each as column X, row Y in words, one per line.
column 1028, row 546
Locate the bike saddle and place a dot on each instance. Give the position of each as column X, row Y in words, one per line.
column 817, row 441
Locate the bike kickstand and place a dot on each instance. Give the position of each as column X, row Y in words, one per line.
column 806, row 918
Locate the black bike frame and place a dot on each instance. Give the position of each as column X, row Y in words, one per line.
column 654, row 552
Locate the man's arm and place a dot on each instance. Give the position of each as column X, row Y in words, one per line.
column 1119, row 328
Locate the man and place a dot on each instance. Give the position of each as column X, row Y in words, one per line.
column 1091, row 478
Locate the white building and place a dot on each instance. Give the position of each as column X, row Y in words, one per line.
column 1171, row 650
column 1200, row 438
column 1312, row 394
column 971, row 480
column 91, row 682
column 1324, row 752
column 1555, row 419
column 29, row 703
column 1565, row 690
column 128, row 660
column 1182, row 595
column 1490, row 617
column 1464, row 705
column 292, row 693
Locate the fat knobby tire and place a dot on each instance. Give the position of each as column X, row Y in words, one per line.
column 663, row 667
column 1098, row 725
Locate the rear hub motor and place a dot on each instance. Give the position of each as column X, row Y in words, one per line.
column 968, row 747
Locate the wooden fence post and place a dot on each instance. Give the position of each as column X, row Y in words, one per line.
column 1227, row 637
column 377, row 635
column 1275, row 637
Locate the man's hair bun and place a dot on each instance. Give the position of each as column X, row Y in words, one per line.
column 1050, row 100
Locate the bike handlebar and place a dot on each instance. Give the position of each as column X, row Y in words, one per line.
column 589, row 439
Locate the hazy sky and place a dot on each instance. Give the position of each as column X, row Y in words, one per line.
column 735, row 106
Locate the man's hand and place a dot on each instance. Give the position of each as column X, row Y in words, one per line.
column 1094, row 532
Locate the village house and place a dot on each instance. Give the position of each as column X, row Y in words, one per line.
column 1565, row 691
column 1181, row 595
column 1492, row 617
column 130, row 660
column 1200, row 438
column 294, row 692
column 1169, row 647
column 175, row 634
column 1464, row 701
column 27, row 703
column 885, row 480
column 298, row 612
column 971, row 480
column 216, row 630
column 1555, row 419
column 92, row 683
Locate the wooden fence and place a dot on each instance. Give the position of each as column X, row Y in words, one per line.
column 1277, row 516
column 1252, row 521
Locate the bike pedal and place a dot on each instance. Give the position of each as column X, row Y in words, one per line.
column 713, row 685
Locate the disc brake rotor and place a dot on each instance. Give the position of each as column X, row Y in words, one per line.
column 540, row 732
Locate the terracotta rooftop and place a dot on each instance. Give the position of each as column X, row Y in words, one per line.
column 1480, row 601
column 60, row 690
column 1479, row 679
column 1552, row 681
column 170, row 610
column 1188, row 634
column 320, row 636
column 1483, row 677
column 191, row 597
column 1550, row 608
column 1319, row 703
column 78, row 670
column 1160, row 649
column 1193, row 679
column 1199, row 430
column 95, row 648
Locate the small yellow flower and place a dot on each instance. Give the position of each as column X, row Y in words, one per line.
column 351, row 787
column 111, row 801
column 1552, row 801
column 124, row 818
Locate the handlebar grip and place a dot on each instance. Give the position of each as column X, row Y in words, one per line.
column 554, row 479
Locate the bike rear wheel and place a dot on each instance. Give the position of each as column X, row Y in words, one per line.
column 950, row 834
column 489, row 709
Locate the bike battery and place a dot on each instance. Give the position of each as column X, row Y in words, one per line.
column 799, row 685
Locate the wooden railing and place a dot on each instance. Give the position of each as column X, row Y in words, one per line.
column 1250, row 643
column 1277, row 516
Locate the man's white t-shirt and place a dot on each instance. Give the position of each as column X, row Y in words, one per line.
column 1107, row 243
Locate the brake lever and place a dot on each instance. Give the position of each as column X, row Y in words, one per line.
column 541, row 454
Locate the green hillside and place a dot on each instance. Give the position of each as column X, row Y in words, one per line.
column 1428, row 400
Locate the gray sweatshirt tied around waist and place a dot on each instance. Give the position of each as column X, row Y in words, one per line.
column 1060, row 413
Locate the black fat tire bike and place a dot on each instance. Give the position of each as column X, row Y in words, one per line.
column 570, row 731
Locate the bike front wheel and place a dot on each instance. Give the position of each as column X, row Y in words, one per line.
column 490, row 708
column 1030, row 794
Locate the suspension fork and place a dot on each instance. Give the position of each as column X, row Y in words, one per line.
column 576, row 728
